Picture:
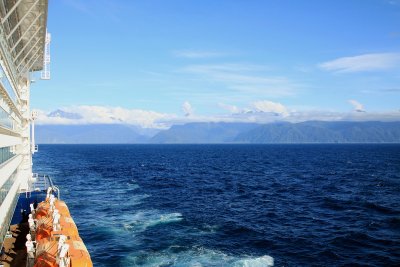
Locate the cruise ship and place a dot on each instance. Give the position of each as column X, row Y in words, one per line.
column 36, row 227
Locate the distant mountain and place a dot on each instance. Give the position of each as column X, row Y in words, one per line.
column 203, row 132
column 91, row 134
column 63, row 114
column 221, row 132
column 323, row 132
column 282, row 132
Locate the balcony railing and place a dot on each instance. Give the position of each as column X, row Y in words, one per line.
column 5, row 119
column 40, row 182
column 6, row 154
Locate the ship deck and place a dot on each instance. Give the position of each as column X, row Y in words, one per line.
column 14, row 251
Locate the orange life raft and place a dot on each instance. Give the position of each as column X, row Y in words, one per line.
column 46, row 253
column 45, row 228
column 43, row 209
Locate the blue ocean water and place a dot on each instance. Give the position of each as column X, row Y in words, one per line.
column 231, row 205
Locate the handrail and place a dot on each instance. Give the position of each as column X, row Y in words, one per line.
column 55, row 188
column 42, row 182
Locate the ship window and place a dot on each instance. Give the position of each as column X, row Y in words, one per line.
column 6, row 153
column 6, row 222
column 7, row 85
column 5, row 119
column 5, row 188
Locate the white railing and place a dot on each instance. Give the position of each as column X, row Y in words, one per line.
column 40, row 182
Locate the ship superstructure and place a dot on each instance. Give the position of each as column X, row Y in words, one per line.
column 23, row 51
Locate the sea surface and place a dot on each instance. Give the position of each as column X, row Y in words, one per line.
column 231, row 205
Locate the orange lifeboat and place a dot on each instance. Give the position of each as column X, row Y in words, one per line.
column 47, row 253
column 45, row 228
column 43, row 209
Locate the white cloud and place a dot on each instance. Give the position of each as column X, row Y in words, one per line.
column 108, row 115
column 358, row 107
column 250, row 116
column 231, row 108
column 187, row 109
column 258, row 112
column 269, row 106
column 262, row 106
column 366, row 62
column 197, row 54
column 245, row 79
column 225, row 68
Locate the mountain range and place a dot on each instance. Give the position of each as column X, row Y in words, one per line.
column 92, row 134
column 222, row 132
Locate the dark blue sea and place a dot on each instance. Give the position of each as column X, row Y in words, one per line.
column 231, row 205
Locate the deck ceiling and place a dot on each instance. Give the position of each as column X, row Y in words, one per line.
column 24, row 23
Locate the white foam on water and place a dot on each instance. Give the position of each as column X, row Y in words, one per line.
column 132, row 186
column 264, row 261
column 209, row 229
column 136, row 199
column 142, row 220
column 195, row 257
column 118, row 191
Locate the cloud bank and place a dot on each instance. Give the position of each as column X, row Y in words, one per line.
column 361, row 63
column 244, row 79
column 106, row 115
column 187, row 109
column 263, row 111
column 358, row 107
column 269, row 106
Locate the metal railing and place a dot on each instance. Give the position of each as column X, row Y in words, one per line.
column 40, row 182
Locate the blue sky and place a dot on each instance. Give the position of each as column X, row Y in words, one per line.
column 207, row 59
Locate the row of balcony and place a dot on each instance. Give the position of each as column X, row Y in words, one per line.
column 6, row 153
column 5, row 188
column 7, row 219
column 5, row 119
